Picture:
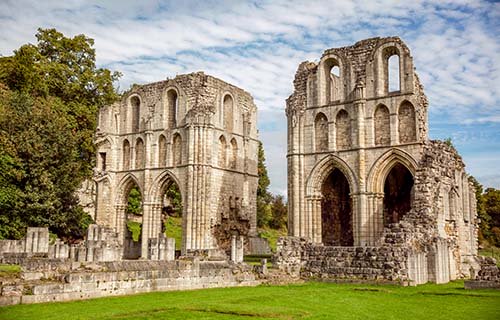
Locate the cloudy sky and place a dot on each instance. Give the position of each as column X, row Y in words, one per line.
column 257, row 45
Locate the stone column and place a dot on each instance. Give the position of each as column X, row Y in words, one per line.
column 120, row 222
column 233, row 247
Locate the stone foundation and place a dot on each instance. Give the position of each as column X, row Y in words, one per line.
column 55, row 280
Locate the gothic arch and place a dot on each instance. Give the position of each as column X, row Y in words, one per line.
column 382, row 125
column 323, row 169
column 162, row 151
column 228, row 112
column 407, row 122
column 343, row 130
column 124, row 186
column 383, row 165
column 164, row 179
column 321, row 132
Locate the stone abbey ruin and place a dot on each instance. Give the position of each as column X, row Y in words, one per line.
column 194, row 131
column 370, row 197
column 369, row 194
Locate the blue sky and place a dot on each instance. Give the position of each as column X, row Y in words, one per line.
column 257, row 45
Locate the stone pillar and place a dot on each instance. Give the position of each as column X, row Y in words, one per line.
column 170, row 249
column 233, row 247
column 120, row 222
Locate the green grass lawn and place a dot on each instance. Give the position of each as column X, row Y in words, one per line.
column 173, row 227
column 306, row 301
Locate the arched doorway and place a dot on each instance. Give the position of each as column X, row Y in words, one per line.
column 398, row 189
column 336, row 211
column 171, row 213
column 133, row 223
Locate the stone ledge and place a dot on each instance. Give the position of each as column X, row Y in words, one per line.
column 481, row 284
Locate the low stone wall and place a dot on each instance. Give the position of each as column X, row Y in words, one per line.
column 488, row 276
column 298, row 256
column 92, row 280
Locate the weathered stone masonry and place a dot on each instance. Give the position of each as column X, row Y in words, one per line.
column 362, row 173
column 195, row 131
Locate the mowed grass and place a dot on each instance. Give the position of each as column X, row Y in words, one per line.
column 304, row 301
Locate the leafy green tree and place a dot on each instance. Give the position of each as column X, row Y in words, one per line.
column 264, row 210
column 279, row 213
column 491, row 201
column 174, row 195
column 49, row 97
column 484, row 226
column 134, row 201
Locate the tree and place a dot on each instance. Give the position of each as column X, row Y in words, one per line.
column 279, row 213
column 491, row 202
column 50, row 94
column 264, row 212
column 484, row 226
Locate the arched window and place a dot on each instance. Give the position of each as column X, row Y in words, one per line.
column 343, row 130
column 222, row 158
column 139, row 154
column 333, row 80
column 135, row 105
column 234, row 154
column 382, row 126
column 407, row 123
column 162, row 151
column 321, row 132
column 393, row 80
column 126, row 155
column 177, row 149
column 172, row 102
column 228, row 112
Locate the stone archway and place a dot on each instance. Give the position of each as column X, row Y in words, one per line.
column 398, row 189
column 130, row 211
column 336, row 211
column 167, row 210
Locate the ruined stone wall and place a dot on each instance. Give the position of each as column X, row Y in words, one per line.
column 297, row 256
column 181, row 122
column 86, row 281
column 404, row 190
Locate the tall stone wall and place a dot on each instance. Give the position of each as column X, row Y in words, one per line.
column 195, row 131
column 401, row 189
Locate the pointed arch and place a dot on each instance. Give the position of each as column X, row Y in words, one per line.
column 383, row 165
column 343, row 130
column 234, row 154
column 228, row 106
column 177, row 149
column 139, row 154
column 407, row 123
column 321, row 132
column 124, row 186
column 222, row 152
column 323, row 169
column 382, row 126
column 160, row 182
column 162, row 151
column 126, row 155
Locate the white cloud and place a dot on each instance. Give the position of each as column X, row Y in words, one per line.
column 258, row 46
